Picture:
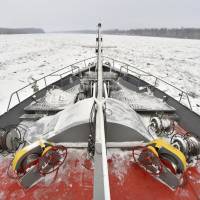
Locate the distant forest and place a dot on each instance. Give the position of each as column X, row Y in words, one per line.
column 20, row 30
column 190, row 33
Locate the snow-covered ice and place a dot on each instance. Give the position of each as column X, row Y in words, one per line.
column 23, row 56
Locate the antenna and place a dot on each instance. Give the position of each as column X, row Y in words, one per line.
column 99, row 39
column 99, row 63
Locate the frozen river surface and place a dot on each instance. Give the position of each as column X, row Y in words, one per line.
column 23, row 57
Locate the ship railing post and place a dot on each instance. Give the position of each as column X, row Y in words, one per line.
column 18, row 96
column 121, row 69
column 8, row 108
column 155, row 83
column 181, row 96
column 72, row 68
column 189, row 101
column 45, row 82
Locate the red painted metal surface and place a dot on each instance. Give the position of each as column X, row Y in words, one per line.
column 138, row 184
column 75, row 181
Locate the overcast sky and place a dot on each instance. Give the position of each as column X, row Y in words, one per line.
column 85, row 14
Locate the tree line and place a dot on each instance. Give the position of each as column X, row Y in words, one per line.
column 20, row 30
column 190, row 33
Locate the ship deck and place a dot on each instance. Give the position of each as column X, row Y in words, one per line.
column 128, row 111
column 75, row 181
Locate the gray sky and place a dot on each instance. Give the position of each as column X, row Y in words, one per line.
column 85, row 14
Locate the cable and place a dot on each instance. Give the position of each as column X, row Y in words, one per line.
column 91, row 138
column 105, row 120
column 148, row 160
column 51, row 160
column 46, row 164
column 15, row 142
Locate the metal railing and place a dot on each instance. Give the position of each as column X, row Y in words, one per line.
column 141, row 74
column 71, row 69
column 123, row 67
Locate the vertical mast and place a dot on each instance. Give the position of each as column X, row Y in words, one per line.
column 99, row 63
column 101, row 180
